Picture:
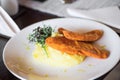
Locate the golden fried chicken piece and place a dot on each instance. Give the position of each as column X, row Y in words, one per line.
column 89, row 36
column 75, row 47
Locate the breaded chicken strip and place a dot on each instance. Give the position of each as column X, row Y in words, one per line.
column 75, row 47
column 89, row 36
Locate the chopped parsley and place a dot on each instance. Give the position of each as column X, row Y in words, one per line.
column 39, row 35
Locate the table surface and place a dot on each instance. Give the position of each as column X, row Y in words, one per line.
column 25, row 17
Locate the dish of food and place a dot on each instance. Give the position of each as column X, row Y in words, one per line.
column 65, row 48
column 23, row 60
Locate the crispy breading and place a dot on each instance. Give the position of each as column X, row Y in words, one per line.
column 62, row 44
column 88, row 36
column 75, row 47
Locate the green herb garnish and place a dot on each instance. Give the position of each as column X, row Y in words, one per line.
column 39, row 35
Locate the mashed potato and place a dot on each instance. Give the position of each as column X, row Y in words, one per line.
column 55, row 57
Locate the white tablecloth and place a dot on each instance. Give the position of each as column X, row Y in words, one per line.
column 7, row 26
column 58, row 8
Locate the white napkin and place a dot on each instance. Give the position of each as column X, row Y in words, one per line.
column 7, row 26
column 109, row 15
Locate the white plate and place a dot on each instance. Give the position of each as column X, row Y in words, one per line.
column 18, row 53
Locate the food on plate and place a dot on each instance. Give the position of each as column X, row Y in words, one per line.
column 39, row 35
column 88, row 36
column 48, row 55
column 76, row 47
column 55, row 57
column 65, row 48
